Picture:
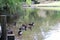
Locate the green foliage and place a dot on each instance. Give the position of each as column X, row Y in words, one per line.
column 13, row 6
column 2, row 3
column 28, row 2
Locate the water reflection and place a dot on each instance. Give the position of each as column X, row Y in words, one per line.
column 54, row 34
column 50, row 28
column 35, row 37
column 46, row 24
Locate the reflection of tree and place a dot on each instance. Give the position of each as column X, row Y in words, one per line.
column 53, row 16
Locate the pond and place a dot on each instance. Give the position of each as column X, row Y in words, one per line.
column 54, row 33
column 46, row 24
column 50, row 28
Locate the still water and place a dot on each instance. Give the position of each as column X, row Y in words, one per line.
column 47, row 24
column 50, row 32
column 54, row 33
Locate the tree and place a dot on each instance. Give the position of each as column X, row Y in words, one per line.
column 11, row 7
